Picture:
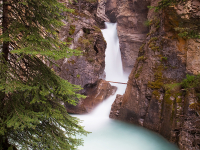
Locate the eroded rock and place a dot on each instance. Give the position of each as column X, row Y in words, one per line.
column 95, row 93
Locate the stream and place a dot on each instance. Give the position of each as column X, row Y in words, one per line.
column 108, row 134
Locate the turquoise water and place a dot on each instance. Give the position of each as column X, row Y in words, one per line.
column 117, row 135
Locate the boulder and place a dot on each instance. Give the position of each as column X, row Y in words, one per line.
column 95, row 93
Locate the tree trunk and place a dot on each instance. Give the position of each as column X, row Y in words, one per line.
column 5, row 29
column 5, row 145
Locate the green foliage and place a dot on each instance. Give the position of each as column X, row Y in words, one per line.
column 187, row 33
column 192, row 81
column 31, row 94
column 189, row 82
column 163, row 4
column 69, row 40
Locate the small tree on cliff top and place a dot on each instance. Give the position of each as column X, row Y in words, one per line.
column 31, row 94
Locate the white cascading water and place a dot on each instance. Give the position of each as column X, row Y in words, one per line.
column 108, row 134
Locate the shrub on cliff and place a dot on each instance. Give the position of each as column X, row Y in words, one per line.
column 192, row 81
column 31, row 94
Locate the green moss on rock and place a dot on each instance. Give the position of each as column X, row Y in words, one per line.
column 72, row 29
column 141, row 58
column 138, row 72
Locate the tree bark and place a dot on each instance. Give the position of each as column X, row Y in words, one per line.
column 5, row 23
column 5, row 144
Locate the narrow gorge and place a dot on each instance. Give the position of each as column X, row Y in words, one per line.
column 160, row 47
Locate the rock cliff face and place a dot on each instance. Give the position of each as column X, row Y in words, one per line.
column 154, row 97
column 156, row 47
column 82, row 31
column 130, row 16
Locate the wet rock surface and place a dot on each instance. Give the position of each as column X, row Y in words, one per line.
column 95, row 93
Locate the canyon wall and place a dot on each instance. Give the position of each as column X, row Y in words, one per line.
column 158, row 50
column 161, row 54
column 82, row 32
column 130, row 17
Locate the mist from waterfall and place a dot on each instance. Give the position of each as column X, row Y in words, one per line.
column 108, row 134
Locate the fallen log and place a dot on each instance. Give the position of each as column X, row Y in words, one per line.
column 116, row 82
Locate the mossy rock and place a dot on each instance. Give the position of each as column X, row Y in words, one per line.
column 78, row 75
column 195, row 106
column 158, row 75
column 141, row 58
column 97, row 29
column 155, row 85
column 152, row 39
column 173, row 90
column 71, row 61
column 173, row 87
column 141, row 49
column 138, row 72
column 156, row 93
column 90, row 59
column 72, row 29
column 178, row 99
column 69, row 40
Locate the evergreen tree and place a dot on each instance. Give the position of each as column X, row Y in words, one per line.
column 31, row 94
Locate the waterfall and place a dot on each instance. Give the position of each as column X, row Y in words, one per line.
column 108, row 134
column 113, row 61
